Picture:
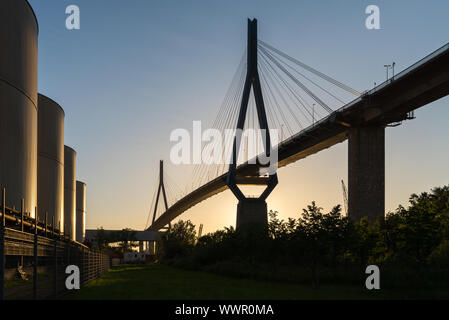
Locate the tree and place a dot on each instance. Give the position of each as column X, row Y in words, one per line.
column 312, row 235
column 339, row 233
column 423, row 224
column 365, row 240
column 100, row 238
column 127, row 239
column 178, row 240
column 276, row 228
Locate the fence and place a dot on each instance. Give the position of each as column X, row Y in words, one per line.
column 39, row 254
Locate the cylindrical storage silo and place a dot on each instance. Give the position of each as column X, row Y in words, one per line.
column 80, row 211
column 18, row 103
column 50, row 161
column 69, row 192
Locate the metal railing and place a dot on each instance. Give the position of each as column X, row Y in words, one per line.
column 40, row 254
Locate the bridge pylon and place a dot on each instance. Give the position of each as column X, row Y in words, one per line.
column 161, row 187
column 251, row 211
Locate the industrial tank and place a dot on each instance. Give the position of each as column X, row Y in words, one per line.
column 18, row 103
column 50, row 161
column 80, row 211
column 69, row 192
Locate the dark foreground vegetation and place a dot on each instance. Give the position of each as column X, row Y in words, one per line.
column 410, row 246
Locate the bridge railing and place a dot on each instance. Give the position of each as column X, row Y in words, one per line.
column 400, row 75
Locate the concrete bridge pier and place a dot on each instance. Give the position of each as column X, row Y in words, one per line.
column 366, row 172
column 152, row 247
column 252, row 212
column 140, row 246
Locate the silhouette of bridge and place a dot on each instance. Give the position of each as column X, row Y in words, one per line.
column 295, row 96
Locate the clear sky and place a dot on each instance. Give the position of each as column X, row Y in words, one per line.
column 138, row 69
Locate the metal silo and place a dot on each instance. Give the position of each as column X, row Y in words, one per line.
column 18, row 103
column 69, row 192
column 50, row 160
column 80, row 211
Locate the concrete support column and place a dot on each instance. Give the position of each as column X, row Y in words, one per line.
column 366, row 172
column 152, row 247
column 140, row 246
column 252, row 213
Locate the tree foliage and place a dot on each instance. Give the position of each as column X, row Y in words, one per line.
column 178, row 240
column 414, row 238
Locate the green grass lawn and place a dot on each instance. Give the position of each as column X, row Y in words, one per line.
column 155, row 281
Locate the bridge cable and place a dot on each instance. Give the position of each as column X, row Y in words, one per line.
column 150, row 212
column 298, row 83
column 291, row 92
column 310, row 80
column 204, row 172
column 314, row 71
column 221, row 119
column 290, row 131
column 268, row 74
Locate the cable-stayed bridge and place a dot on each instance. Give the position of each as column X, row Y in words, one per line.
column 312, row 111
